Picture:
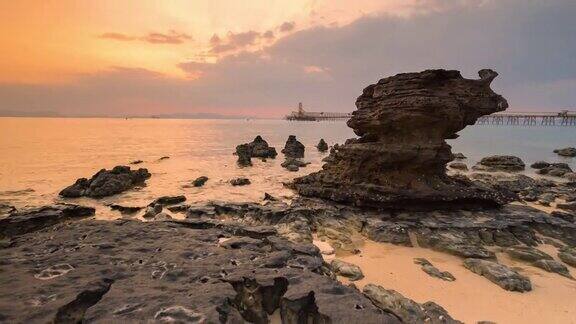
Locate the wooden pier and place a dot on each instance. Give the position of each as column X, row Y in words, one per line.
column 512, row 118
column 302, row 115
column 563, row 118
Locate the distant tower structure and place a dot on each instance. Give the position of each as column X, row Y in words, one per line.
column 301, row 111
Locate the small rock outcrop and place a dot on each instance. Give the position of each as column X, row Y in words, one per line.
column 458, row 166
column 505, row 163
column 568, row 256
column 125, row 210
column 258, row 148
column 346, row 269
column 567, row 151
column 293, row 148
column 107, row 183
column 433, row 271
column 538, row 259
column 200, row 181
column 168, row 200
column 322, row 145
column 499, row 274
column 406, row 309
column 293, row 164
column 554, row 169
column 240, row 182
column 400, row 159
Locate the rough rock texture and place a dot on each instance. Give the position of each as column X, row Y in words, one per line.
column 567, row 151
column 499, row 274
column 504, row 163
column 538, row 259
column 458, row 166
column 568, row 256
column 293, row 148
column 34, row 219
column 400, row 159
column 554, row 169
column 137, row 272
column 406, row 309
column 348, row 270
column 433, row 271
column 467, row 234
column 258, row 148
column 107, row 183
column 322, row 145
column 527, row 188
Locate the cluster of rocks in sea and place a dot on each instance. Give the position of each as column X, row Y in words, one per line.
column 224, row 262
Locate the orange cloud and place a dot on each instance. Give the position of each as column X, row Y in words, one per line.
column 172, row 37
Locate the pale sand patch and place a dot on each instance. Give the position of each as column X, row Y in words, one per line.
column 471, row 297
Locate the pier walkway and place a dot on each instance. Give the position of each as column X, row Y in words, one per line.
column 512, row 118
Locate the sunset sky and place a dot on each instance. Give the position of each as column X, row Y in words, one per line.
column 260, row 57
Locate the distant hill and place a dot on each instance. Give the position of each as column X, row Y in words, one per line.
column 11, row 113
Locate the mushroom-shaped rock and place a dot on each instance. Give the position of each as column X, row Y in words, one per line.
column 400, row 159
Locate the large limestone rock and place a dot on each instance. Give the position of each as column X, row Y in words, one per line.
column 107, row 183
column 400, row 159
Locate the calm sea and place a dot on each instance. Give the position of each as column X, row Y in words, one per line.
column 40, row 156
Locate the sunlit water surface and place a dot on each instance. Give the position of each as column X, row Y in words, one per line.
column 40, row 156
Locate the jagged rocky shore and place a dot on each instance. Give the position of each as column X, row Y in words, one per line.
column 223, row 262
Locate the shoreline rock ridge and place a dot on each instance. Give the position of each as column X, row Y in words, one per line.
column 400, row 157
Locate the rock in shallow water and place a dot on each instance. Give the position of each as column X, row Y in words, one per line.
column 200, row 181
column 258, row 148
column 240, row 182
column 107, row 183
column 567, row 151
column 322, row 145
column 400, row 159
column 505, row 163
column 293, row 148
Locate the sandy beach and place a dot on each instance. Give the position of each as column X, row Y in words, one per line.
column 470, row 298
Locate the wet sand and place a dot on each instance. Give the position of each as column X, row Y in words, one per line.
column 471, row 297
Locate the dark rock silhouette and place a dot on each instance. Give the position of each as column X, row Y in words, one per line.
column 322, row 145
column 107, row 183
column 258, row 148
column 400, row 159
column 293, row 148
column 240, row 182
column 200, row 181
